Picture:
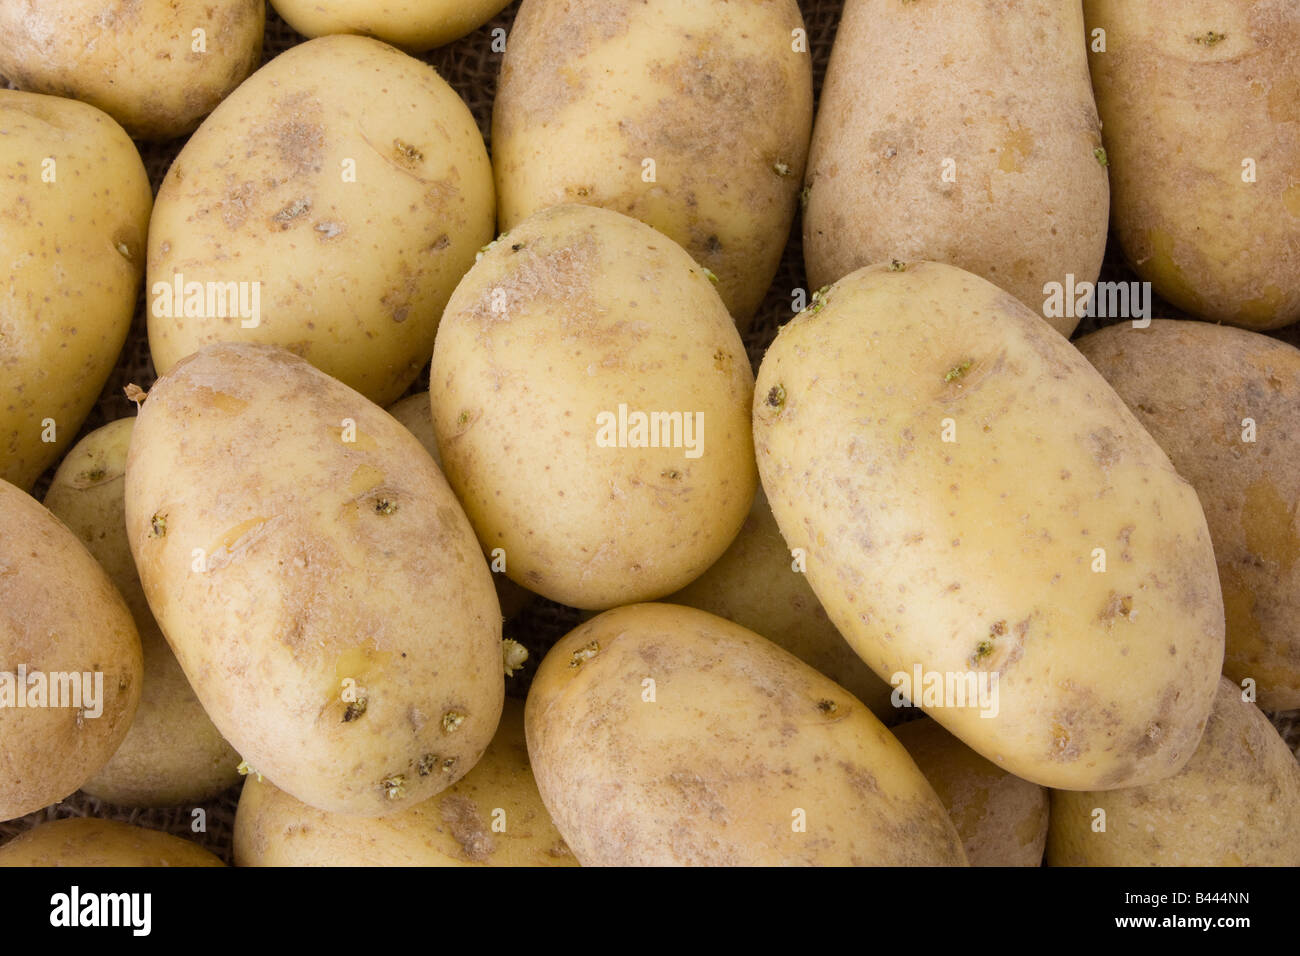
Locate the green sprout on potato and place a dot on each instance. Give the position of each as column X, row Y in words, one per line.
column 451, row 721
column 584, row 654
column 1101, row 156
column 957, row 371
column 158, row 523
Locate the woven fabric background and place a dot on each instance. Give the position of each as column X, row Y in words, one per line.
column 471, row 67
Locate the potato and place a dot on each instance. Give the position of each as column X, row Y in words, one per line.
column 413, row 25
column 316, row 579
column 343, row 228
column 1235, row 803
column 459, row 827
column 414, row 412
column 1002, row 819
column 70, row 666
column 963, row 132
column 959, row 476
column 85, row 841
column 1201, row 105
column 662, row 735
column 755, row 585
column 693, row 117
column 576, row 327
column 156, row 68
column 1238, row 442
column 74, row 209
column 172, row 755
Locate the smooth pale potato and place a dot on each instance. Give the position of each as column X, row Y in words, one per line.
column 1193, row 386
column 1196, row 97
column 141, row 63
column 414, row 412
column 754, row 584
column 86, row 841
column 1001, row 818
column 59, row 615
column 1235, row 803
column 413, row 25
column 458, row 827
column 713, row 93
column 74, row 210
column 662, row 735
column 172, row 755
column 356, row 221
column 345, row 636
column 999, row 90
column 979, row 556
column 572, row 319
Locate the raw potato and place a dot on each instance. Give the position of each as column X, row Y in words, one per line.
column 86, row 841
column 413, row 25
column 963, row 132
column 345, row 636
column 1001, row 818
column 1236, row 803
column 691, row 116
column 172, row 755
column 137, row 62
column 74, row 210
column 754, row 585
column 662, row 735
column 458, row 827
column 1197, row 97
column 569, row 317
column 952, row 467
column 59, row 615
column 1194, row 386
column 361, row 194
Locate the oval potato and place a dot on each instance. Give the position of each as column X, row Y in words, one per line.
column 413, row 25
column 86, row 841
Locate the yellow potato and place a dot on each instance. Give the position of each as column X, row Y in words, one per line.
column 74, row 209
column 85, row 841
column 977, row 505
column 413, row 25
column 662, row 735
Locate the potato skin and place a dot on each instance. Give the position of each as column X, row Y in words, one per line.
column 1188, row 91
column 412, row 25
column 380, row 255
column 1235, row 803
column 134, row 61
column 59, row 613
column 1002, row 90
column 331, row 557
column 453, row 828
column 73, row 254
column 1192, row 385
column 571, row 314
column 1001, row 818
column 713, row 92
column 172, row 755
column 975, row 555
column 86, row 841
column 739, row 736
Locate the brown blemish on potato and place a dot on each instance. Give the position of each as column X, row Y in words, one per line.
column 394, row 786
column 1117, row 606
column 406, row 154
column 451, row 721
column 776, row 396
column 158, row 525
column 1105, row 448
column 354, row 710
column 697, row 796
column 427, row 764
column 385, row 506
column 461, row 816
column 292, row 212
column 584, row 654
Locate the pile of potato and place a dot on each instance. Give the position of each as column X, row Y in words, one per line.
column 293, row 565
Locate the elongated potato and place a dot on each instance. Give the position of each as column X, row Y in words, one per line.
column 1224, row 404
column 978, row 506
column 316, row 579
column 413, row 25
column 963, row 132
column 85, row 841
column 690, row 115
column 1201, row 105
column 662, row 735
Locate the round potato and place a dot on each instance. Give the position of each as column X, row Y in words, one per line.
column 342, row 229
column 172, row 755
column 1235, row 803
column 493, row 817
column 690, row 115
column 74, row 210
column 316, row 579
column 70, row 666
column 990, row 528
column 662, row 735
column 413, row 25
column 156, row 68
column 85, row 841
column 1238, row 442
column 590, row 396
